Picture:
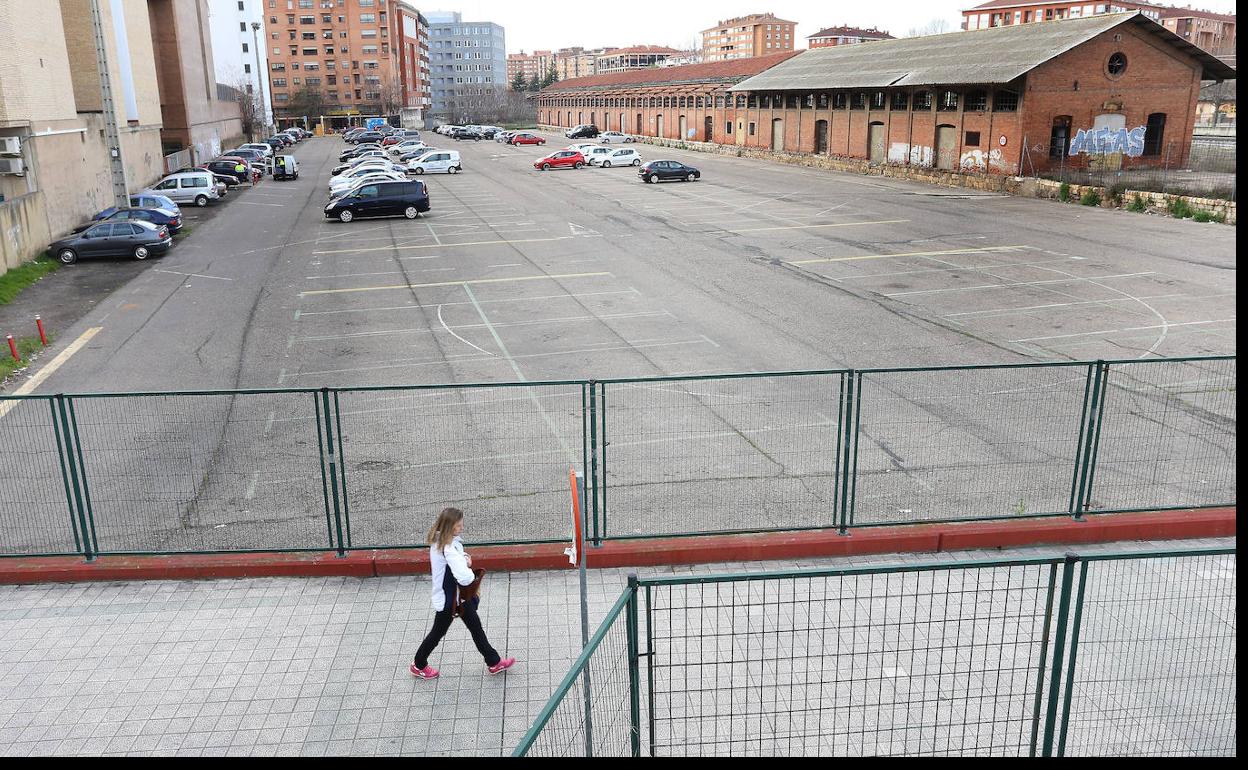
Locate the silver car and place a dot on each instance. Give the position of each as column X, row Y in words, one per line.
column 198, row 187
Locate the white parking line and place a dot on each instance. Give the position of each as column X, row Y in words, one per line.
column 541, row 298
column 1127, row 329
column 1075, row 279
column 51, row 367
column 455, row 283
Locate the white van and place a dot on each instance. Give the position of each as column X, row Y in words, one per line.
column 196, row 187
column 285, row 167
column 436, row 161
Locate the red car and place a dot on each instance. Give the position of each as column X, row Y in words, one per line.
column 560, row 159
column 527, row 139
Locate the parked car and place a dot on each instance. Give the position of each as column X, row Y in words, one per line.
column 624, row 156
column 608, row 137
column 222, row 183
column 367, row 136
column 380, row 199
column 504, row 136
column 196, row 187
column 295, row 133
column 445, row 129
column 113, row 239
column 357, row 172
column 526, row 138
column 585, row 131
column 229, row 167
column 660, row 170
column 376, row 164
column 465, row 133
column 347, row 184
column 560, row 159
column 411, row 155
column 437, row 161
column 408, row 145
column 593, row 151
column 581, row 147
column 285, row 140
column 360, row 150
column 351, row 133
column 286, row 167
column 252, row 156
column 157, row 217
column 264, row 147
column 145, row 200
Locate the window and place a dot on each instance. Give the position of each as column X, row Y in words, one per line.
column 728, row 127
column 878, row 100
column 972, row 139
column 900, row 100
column 751, row 128
column 1117, row 64
column 1005, row 101
column 242, row 26
column 279, row 82
column 948, row 101
column 839, row 100
column 858, row 101
column 922, row 101
column 976, row 101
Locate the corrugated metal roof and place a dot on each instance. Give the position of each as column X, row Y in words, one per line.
column 707, row 72
column 988, row 56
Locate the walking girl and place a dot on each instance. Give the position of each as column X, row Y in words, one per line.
column 452, row 568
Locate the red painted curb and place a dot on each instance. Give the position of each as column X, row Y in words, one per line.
column 914, row 538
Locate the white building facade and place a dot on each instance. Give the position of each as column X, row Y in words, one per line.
column 239, row 51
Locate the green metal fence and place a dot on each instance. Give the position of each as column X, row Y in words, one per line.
column 336, row 469
column 1106, row 654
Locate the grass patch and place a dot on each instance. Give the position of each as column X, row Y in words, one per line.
column 1180, row 209
column 183, row 233
column 26, row 347
column 1115, row 192
column 1090, row 197
column 12, row 282
column 1206, row 216
column 1137, row 205
column 1063, row 192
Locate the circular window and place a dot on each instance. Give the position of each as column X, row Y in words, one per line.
column 1117, row 64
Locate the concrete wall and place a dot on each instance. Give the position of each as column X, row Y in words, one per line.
column 23, row 230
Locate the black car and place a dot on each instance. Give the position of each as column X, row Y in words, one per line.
column 276, row 144
column 589, row 131
column 408, row 157
column 112, row 239
column 156, row 216
column 367, row 136
column 465, row 133
column 227, row 168
column 286, row 141
column 356, row 151
column 659, row 170
column 380, row 199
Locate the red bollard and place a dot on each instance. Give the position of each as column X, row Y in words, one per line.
column 13, row 349
column 43, row 336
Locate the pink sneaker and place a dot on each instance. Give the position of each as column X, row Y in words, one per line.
column 428, row 672
column 501, row 666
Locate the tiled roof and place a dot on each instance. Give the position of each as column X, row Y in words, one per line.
column 733, row 69
column 851, row 32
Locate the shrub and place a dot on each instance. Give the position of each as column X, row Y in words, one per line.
column 1063, row 192
column 1137, row 204
column 1202, row 216
column 1090, row 197
column 1180, row 209
column 1115, row 191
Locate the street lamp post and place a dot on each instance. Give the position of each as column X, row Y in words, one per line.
column 255, row 43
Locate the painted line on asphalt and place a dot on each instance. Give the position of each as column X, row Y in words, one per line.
column 813, row 227
column 489, row 325
column 1027, row 308
column 408, row 286
column 979, row 250
column 1126, row 329
column 456, row 245
column 192, row 275
column 481, row 301
column 1075, row 279
column 47, row 371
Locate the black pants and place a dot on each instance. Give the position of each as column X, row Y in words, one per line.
column 442, row 623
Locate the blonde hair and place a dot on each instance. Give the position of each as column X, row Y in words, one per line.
column 443, row 530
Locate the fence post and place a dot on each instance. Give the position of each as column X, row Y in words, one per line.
column 329, row 471
column 1044, row 652
column 1090, row 379
column 342, row 475
column 62, row 453
column 1077, row 624
column 634, row 671
column 593, row 453
column 843, row 449
column 87, row 514
column 1090, row 436
column 602, row 451
column 1059, row 643
column 320, row 451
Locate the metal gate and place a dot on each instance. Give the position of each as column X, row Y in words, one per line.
column 875, row 144
column 821, row 137
column 946, row 147
column 777, row 134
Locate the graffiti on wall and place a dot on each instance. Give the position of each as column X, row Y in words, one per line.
column 973, row 160
column 1108, row 141
column 913, row 154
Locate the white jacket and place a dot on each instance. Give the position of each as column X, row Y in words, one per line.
column 452, row 556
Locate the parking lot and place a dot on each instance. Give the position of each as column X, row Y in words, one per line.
column 518, row 274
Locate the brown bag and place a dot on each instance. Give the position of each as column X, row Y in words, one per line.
column 469, row 592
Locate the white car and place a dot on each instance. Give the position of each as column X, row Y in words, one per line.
column 624, row 156
column 359, row 172
column 582, row 148
column 402, row 148
column 613, row 136
column 436, row 161
column 592, row 150
column 347, row 185
column 266, row 149
column 378, row 164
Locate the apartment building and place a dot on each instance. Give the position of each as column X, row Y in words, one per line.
column 56, row 169
column 334, row 57
column 467, row 62
column 239, row 56
column 844, row 35
column 1212, row 32
column 529, row 65
column 413, row 65
column 1003, row 13
column 758, row 34
column 576, row 62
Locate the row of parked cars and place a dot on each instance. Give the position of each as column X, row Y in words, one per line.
column 372, row 180
column 146, row 227
column 590, row 154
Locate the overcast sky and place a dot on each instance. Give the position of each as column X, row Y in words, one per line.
column 547, row 24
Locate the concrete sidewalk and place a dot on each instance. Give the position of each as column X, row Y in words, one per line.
column 307, row 666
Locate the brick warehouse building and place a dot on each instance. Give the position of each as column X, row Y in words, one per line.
column 1120, row 86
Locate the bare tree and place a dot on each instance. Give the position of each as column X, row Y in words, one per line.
column 308, row 101
column 393, row 99
column 250, row 109
column 934, row 26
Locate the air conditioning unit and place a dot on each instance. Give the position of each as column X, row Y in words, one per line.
column 10, row 145
column 11, row 166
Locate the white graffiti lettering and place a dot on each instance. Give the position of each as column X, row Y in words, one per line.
column 1107, row 141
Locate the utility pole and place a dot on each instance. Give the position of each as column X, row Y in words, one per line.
column 264, row 102
column 121, row 191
